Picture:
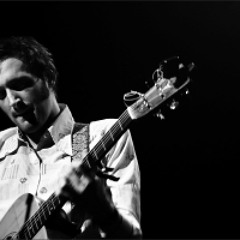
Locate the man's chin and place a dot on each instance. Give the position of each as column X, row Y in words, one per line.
column 26, row 126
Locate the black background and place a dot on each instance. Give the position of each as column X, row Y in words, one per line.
column 189, row 161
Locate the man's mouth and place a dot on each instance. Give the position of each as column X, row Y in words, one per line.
column 27, row 114
column 22, row 113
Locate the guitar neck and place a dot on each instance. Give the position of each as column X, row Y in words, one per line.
column 109, row 139
column 31, row 227
column 54, row 202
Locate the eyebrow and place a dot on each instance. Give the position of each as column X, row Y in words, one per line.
column 15, row 80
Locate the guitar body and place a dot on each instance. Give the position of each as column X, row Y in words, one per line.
column 23, row 208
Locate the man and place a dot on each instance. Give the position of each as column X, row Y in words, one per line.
column 36, row 155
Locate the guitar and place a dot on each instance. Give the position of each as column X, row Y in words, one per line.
column 171, row 79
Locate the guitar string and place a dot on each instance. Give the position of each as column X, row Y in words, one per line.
column 32, row 231
column 26, row 229
column 114, row 129
column 45, row 207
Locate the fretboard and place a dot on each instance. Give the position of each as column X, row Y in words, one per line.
column 109, row 139
column 36, row 222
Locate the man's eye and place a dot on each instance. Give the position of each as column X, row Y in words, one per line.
column 22, row 84
column 2, row 94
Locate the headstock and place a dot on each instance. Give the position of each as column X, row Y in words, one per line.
column 171, row 78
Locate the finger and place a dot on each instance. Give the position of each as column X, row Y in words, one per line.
column 81, row 169
column 75, row 186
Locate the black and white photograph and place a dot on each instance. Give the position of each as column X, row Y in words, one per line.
column 119, row 119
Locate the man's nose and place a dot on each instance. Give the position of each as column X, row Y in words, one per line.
column 13, row 98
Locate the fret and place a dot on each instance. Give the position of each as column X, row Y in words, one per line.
column 103, row 145
column 55, row 200
column 51, row 206
column 30, row 231
column 49, row 210
column 24, row 233
column 44, row 215
column 36, row 224
column 40, row 220
column 120, row 125
column 28, row 234
column 35, row 227
column 41, row 215
column 96, row 156
column 111, row 135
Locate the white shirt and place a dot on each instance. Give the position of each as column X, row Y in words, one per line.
column 21, row 171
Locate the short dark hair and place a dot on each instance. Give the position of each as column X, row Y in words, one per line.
column 36, row 58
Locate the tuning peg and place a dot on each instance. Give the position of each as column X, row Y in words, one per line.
column 185, row 92
column 174, row 104
column 130, row 97
column 191, row 66
column 160, row 115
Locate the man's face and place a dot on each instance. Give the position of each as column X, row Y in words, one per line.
column 24, row 97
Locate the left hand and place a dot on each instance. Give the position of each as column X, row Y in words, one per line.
column 82, row 185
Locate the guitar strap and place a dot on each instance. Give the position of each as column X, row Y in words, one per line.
column 80, row 148
column 80, row 141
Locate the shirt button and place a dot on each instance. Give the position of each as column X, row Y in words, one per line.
column 13, row 161
column 43, row 190
column 23, row 180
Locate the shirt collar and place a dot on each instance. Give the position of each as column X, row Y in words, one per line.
column 60, row 130
column 63, row 125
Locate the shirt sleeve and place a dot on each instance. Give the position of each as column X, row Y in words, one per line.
column 123, row 159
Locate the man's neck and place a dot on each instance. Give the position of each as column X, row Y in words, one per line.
column 36, row 137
